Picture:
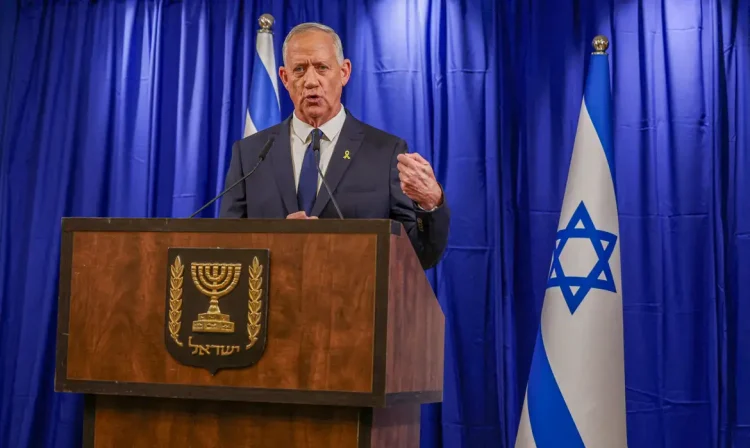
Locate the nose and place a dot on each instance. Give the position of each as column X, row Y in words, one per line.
column 310, row 79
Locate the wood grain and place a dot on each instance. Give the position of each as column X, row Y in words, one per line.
column 119, row 421
column 340, row 334
column 322, row 293
column 132, row 422
column 396, row 427
column 414, row 353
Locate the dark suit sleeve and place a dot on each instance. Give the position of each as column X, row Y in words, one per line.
column 427, row 230
column 234, row 203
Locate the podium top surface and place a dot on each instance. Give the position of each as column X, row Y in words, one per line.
column 226, row 225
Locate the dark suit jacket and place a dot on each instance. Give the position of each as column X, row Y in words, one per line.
column 366, row 185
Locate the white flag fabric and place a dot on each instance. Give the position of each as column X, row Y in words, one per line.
column 264, row 108
column 575, row 395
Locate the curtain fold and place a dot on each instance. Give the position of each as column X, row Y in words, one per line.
column 129, row 108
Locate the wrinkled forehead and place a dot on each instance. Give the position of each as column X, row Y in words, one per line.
column 311, row 45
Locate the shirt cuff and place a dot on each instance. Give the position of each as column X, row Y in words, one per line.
column 428, row 211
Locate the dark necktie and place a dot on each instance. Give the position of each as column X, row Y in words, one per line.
column 308, row 177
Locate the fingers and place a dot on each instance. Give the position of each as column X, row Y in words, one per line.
column 409, row 174
column 408, row 161
column 408, row 189
column 300, row 215
column 417, row 180
column 420, row 174
column 414, row 165
column 415, row 158
column 415, row 176
column 419, row 159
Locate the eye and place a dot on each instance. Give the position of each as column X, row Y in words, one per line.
column 322, row 67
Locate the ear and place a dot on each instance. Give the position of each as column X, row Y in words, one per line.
column 346, row 71
column 284, row 75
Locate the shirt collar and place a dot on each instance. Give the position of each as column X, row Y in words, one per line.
column 330, row 128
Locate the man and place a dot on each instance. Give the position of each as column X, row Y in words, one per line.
column 369, row 171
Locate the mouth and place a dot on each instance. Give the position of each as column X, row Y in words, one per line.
column 313, row 98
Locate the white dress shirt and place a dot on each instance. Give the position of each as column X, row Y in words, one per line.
column 300, row 139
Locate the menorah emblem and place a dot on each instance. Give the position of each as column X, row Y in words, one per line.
column 214, row 280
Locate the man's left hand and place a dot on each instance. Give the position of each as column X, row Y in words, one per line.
column 418, row 181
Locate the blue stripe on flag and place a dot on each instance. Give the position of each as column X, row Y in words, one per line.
column 598, row 103
column 551, row 422
column 264, row 108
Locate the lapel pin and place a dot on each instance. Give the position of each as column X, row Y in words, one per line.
column 347, row 156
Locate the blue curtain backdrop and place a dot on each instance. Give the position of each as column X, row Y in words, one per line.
column 129, row 108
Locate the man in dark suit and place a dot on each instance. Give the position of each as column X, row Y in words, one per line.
column 370, row 172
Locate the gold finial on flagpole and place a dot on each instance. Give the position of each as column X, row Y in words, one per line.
column 266, row 22
column 600, row 43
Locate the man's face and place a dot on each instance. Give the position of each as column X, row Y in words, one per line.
column 313, row 77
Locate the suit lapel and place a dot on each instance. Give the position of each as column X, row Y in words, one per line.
column 281, row 159
column 343, row 155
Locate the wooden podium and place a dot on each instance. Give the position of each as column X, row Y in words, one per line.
column 339, row 329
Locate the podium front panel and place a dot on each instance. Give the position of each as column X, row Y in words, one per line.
column 321, row 312
column 318, row 312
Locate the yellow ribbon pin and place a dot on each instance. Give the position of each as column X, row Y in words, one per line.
column 346, row 155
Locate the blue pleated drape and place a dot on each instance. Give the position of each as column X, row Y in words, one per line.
column 129, row 108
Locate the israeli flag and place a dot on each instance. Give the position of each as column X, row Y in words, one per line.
column 575, row 395
column 264, row 108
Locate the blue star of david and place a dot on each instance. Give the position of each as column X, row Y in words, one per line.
column 581, row 226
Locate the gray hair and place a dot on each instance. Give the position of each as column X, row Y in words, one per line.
column 315, row 26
